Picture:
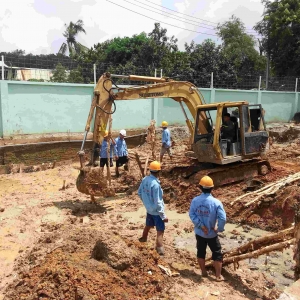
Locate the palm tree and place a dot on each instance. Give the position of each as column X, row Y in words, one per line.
column 70, row 34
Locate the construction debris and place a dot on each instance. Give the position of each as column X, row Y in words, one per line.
column 270, row 189
column 168, row 271
column 259, row 246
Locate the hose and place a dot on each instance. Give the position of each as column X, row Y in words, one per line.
column 111, row 97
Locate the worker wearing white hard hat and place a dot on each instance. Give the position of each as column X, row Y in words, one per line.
column 121, row 152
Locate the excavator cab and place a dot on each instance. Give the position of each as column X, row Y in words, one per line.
column 248, row 135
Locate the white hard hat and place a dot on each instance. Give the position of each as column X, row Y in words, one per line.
column 123, row 132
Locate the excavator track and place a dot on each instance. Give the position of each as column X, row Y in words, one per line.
column 221, row 175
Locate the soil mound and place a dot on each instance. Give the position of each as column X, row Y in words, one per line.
column 117, row 269
column 115, row 252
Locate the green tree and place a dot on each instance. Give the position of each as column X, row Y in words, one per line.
column 280, row 28
column 239, row 47
column 206, row 58
column 75, row 76
column 71, row 45
column 59, row 74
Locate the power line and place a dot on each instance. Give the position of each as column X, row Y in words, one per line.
column 169, row 16
column 161, row 21
column 213, row 27
column 189, row 15
column 182, row 13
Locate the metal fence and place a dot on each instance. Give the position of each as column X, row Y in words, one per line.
column 31, row 68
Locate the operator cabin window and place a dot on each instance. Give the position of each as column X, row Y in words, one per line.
column 204, row 123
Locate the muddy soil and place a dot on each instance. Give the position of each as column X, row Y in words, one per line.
column 56, row 244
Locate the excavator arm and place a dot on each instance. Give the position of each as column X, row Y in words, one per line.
column 105, row 98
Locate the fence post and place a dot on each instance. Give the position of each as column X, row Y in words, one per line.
column 2, row 59
column 296, row 96
column 259, row 84
column 161, row 73
column 95, row 78
column 212, row 80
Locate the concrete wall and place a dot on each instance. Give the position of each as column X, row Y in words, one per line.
column 36, row 108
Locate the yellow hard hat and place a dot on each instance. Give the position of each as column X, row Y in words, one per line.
column 164, row 123
column 154, row 166
column 206, row 182
column 106, row 133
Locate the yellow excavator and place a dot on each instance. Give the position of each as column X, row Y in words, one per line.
column 225, row 161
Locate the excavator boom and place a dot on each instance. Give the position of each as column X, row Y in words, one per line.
column 179, row 91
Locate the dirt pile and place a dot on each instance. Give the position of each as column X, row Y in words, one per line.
column 115, row 252
column 90, row 265
column 284, row 133
column 284, row 151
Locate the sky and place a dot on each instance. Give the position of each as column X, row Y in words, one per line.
column 36, row 26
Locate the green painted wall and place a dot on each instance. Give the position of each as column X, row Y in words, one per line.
column 279, row 107
column 33, row 107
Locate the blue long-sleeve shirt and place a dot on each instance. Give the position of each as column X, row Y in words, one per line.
column 103, row 151
column 151, row 194
column 205, row 210
column 166, row 138
column 120, row 147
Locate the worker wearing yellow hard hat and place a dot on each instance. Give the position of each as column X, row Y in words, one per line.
column 104, row 151
column 151, row 194
column 166, row 141
column 209, row 218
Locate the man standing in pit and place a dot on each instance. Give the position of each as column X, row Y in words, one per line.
column 151, row 194
column 209, row 218
column 103, row 152
column 166, row 141
column 121, row 152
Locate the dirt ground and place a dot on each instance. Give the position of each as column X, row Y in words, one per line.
column 56, row 244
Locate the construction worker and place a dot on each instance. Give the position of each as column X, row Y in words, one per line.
column 209, row 218
column 103, row 152
column 121, row 152
column 152, row 196
column 227, row 131
column 166, row 141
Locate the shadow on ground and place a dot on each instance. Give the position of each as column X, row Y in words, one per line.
column 81, row 209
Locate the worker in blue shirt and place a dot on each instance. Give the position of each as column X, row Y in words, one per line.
column 151, row 194
column 103, row 152
column 209, row 218
column 121, row 152
column 165, row 141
